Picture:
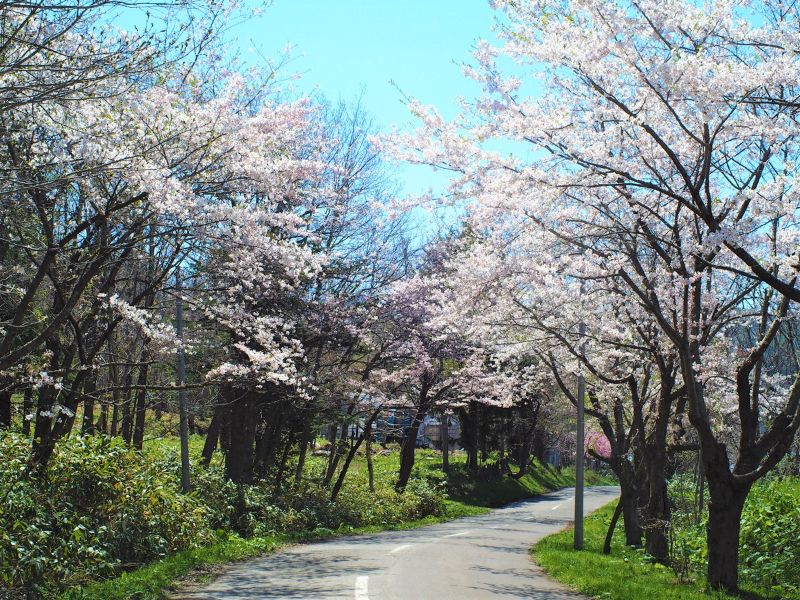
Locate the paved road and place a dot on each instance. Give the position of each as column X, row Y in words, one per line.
column 474, row 558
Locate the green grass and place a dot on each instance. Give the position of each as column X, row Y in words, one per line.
column 625, row 574
column 540, row 479
column 462, row 486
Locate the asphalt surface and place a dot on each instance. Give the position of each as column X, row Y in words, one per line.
column 472, row 558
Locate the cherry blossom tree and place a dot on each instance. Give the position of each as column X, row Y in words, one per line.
column 662, row 156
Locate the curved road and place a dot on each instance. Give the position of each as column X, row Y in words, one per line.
column 474, row 558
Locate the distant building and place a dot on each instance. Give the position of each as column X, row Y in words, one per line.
column 430, row 432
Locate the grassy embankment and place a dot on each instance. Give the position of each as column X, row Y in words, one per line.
column 768, row 570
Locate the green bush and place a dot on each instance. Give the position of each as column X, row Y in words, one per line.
column 769, row 541
column 769, row 553
column 99, row 508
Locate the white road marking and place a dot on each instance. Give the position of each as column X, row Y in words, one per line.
column 456, row 534
column 555, row 507
column 400, row 548
column 362, row 587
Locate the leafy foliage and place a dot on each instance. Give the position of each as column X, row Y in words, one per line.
column 99, row 508
column 769, row 541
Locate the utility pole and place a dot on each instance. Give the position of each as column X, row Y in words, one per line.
column 579, row 450
column 182, row 407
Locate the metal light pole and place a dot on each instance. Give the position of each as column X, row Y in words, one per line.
column 182, row 405
column 579, row 443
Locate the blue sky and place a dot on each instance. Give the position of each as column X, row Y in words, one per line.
column 342, row 48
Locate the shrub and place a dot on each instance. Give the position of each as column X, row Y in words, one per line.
column 769, row 541
column 769, row 553
column 100, row 507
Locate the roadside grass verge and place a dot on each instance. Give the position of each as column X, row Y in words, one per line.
column 540, row 478
column 625, row 573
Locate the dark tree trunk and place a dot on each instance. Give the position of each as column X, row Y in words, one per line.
column 27, row 409
column 301, row 458
column 700, row 491
column 337, row 449
column 527, row 428
column 141, row 407
column 349, row 459
column 657, row 510
column 469, row 436
column 242, row 424
column 409, row 446
column 657, row 520
column 87, row 424
column 115, row 414
column 127, row 425
column 284, row 459
column 483, row 435
column 212, row 437
column 43, row 444
column 524, row 458
column 368, row 452
column 5, row 408
column 268, row 444
column 102, row 420
column 725, row 505
column 115, row 398
column 611, row 527
column 445, row 436
column 629, row 499
column 630, row 516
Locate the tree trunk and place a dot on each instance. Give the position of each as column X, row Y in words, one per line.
column 350, row 456
column 301, row 458
column 5, row 408
column 43, row 445
column 87, row 423
column 127, row 426
column 268, row 444
column 113, row 374
column 368, row 451
column 469, row 433
column 524, row 454
column 284, row 459
column 611, row 527
column 102, row 420
column 657, row 515
column 725, row 505
column 407, row 450
column 700, row 492
column 141, row 406
column 445, row 436
column 212, row 437
column 629, row 498
column 242, row 424
column 115, row 414
column 27, row 409
column 337, row 448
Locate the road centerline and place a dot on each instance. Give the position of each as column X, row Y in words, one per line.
column 400, row 548
column 362, row 587
column 456, row 534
